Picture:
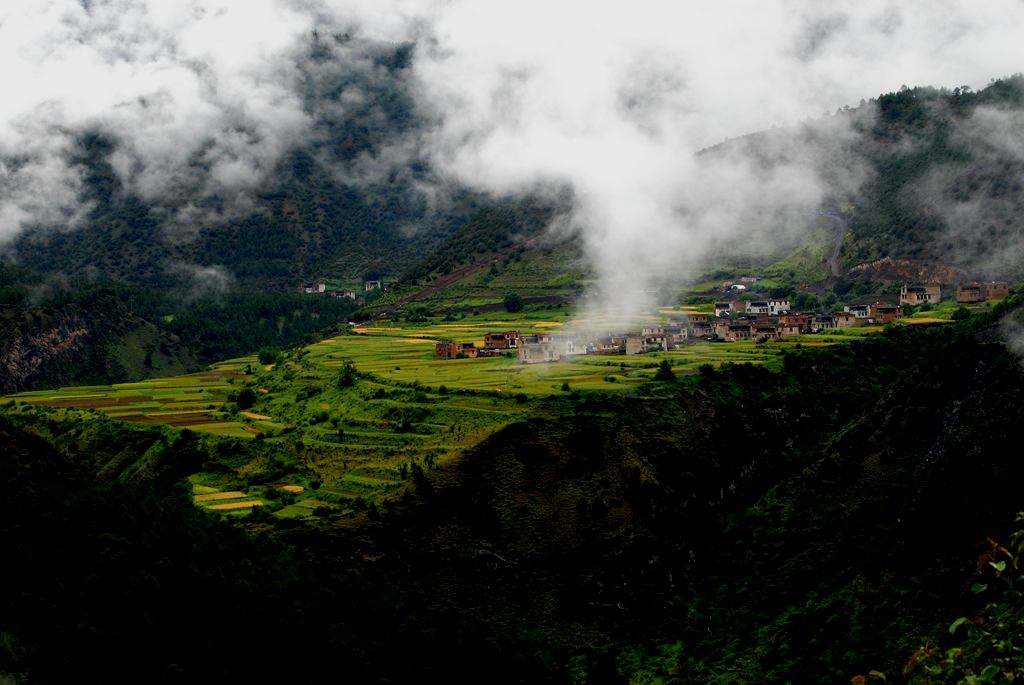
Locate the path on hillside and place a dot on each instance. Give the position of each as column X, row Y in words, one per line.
column 839, row 231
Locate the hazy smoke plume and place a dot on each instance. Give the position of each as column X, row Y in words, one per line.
column 204, row 97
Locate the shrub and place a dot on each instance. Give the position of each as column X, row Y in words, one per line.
column 665, row 372
column 246, row 398
column 513, row 303
column 267, row 355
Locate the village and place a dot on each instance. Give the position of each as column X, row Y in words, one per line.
column 732, row 320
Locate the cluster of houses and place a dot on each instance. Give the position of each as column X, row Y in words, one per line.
column 321, row 289
column 757, row 320
column 974, row 292
column 732, row 321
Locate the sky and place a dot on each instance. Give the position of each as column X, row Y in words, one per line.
column 610, row 99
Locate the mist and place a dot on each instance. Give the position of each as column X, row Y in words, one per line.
column 204, row 98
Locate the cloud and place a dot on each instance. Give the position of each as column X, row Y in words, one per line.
column 202, row 281
column 198, row 98
column 614, row 102
column 203, row 98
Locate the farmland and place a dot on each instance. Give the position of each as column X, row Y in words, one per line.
column 403, row 409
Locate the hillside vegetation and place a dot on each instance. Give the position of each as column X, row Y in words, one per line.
column 596, row 538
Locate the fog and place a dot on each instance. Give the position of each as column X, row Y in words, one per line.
column 203, row 98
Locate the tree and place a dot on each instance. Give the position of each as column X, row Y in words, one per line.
column 513, row 303
column 246, row 398
column 664, row 372
column 267, row 355
column 347, row 376
column 961, row 314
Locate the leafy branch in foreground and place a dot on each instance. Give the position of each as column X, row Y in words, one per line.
column 988, row 647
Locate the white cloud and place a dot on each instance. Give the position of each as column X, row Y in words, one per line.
column 612, row 99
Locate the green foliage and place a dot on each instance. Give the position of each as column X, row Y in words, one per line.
column 665, row 372
column 347, row 376
column 513, row 303
column 961, row 314
column 246, row 398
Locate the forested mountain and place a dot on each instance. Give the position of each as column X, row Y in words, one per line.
column 923, row 173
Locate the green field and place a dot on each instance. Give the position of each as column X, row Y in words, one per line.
column 407, row 407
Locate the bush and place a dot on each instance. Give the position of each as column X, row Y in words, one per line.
column 513, row 303
column 347, row 376
column 665, row 372
column 961, row 314
column 267, row 355
column 246, row 398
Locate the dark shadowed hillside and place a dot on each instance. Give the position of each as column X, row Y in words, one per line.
column 750, row 526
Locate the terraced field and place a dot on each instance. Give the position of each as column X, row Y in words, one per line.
column 190, row 401
column 406, row 409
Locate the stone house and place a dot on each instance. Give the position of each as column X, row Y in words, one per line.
column 920, row 294
column 822, row 322
column 801, row 321
column 884, row 313
column 764, row 331
column 996, row 290
column 789, row 330
column 506, row 340
column 537, row 349
column 970, row 293
column 446, row 349
column 847, row 319
column 759, row 307
column 640, row 344
column 861, row 311
column 373, row 285
column 776, row 307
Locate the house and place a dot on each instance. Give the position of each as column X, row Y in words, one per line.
column 969, row 294
column 822, row 322
column 884, row 313
column 738, row 287
column 996, row 290
column 861, row 311
column 507, row 340
column 776, row 307
column 789, row 330
column 344, row 294
column 801, row 321
column 569, row 347
column 640, row 344
column 981, row 292
column 759, row 308
column 605, row 346
column 847, row 319
column 724, row 308
column 732, row 331
column 700, row 327
column 537, row 349
column 373, row 285
column 750, row 279
column 675, row 336
column 738, row 331
column 446, row 349
column 652, row 331
column 920, row 294
column 764, row 331
column 314, row 288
